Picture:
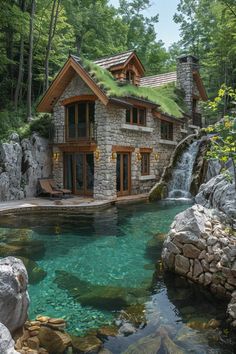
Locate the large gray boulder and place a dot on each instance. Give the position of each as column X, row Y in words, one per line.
column 14, row 299
column 6, row 341
column 218, row 193
column 22, row 163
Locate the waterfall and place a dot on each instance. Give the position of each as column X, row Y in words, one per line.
column 179, row 185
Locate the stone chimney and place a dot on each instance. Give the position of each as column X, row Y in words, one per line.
column 186, row 65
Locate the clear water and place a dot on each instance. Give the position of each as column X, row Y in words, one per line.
column 111, row 252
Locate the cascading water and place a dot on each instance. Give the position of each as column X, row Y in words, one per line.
column 179, row 185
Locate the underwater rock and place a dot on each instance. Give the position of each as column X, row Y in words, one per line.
column 35, row 273
column 6, row 341
column 86, row 344
column 199, row 325
column 149, row 345
column 54, row 342
column 107, row 331
column 127, row 329
column 134, row 314
column 98, row 296
column 14, row 299
column 170, row 347
column 23, row 248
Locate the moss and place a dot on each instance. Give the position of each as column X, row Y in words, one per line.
column 159, row 192
column 168, row 97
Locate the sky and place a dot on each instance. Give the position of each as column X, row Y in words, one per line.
column 166, row 29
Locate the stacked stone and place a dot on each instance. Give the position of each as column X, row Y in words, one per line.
column 202, row 249
column 42, row 336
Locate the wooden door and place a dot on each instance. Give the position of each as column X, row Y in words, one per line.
column 79, row 172
column 123, row 173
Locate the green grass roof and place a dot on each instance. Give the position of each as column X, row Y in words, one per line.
column 170, row 99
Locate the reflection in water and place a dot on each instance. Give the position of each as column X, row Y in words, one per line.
column 95, row 268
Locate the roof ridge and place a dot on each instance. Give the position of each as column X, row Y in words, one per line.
column 114, row 55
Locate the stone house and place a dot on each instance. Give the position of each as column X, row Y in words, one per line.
column 112, row 137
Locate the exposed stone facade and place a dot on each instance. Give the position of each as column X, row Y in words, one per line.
column 112, row 130
column 185, row 67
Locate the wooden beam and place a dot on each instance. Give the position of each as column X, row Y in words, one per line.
column 78, row 99
column 119, row 148
column 146, row 149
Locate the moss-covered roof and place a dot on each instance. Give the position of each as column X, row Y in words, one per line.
column 168, row 97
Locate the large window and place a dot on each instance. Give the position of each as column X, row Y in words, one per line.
column 136, row 116
column 80, row 121
column 166, row 130
column 145, row 163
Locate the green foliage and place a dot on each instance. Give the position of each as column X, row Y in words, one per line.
column 168, row 97
column 43, row 125
column 223, row 141
column 10, row 121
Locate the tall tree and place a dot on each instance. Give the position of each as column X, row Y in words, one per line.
column 30, row 60
column 52, row 30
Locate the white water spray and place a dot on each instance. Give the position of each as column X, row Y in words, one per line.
column 179, row 185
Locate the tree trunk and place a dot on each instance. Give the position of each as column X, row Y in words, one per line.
column 52, row 29
column 30, row 61
column 21, row 65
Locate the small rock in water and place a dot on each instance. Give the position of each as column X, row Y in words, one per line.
column 127, row 329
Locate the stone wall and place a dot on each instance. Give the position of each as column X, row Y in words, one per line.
column 21, row 164
column 201, row 248
column 185, row 67
column 111, row 130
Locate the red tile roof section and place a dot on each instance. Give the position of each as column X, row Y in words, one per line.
column 158, row 80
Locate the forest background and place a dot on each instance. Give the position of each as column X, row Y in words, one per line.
column 36, row 37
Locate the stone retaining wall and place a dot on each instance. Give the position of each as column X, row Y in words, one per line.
column 203, row 249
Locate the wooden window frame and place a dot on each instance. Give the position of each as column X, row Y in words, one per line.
column 170, row 130
column 144, row 171
column 88, row 133
column 131, row 110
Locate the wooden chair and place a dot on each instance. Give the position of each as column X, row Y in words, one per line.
column 46, row 188
column 56, row 188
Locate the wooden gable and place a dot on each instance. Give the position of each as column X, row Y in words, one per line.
column 63, row 78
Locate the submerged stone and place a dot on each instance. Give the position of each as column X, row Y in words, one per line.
column 134, row 314
column 99, row 296
column 23, row 248
column 147, row 345
column 35, row 273
column 87, row 344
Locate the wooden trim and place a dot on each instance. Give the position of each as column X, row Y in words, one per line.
column 77, row 148
column 118, row 148
column 141, row 103
column 162, row 116
column 59, row 84
column 147, row 154
column 145, row 150
column 79, row 98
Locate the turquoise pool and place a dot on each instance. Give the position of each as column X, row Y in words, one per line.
column 88, row 267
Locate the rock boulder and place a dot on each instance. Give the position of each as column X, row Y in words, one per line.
column 14, row 299
column 6, row 341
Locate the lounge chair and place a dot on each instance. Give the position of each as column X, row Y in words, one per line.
column 46, row 188
column 56, row 188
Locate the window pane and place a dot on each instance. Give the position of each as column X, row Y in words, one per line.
column 142, row 116
column 128, row 116
column 79, row 172
column 71, row 122
column 69, row 171
column 145, row 163
column 91, row 119
column 89, row 172
column 135, row 115
column 166, row 130
column 125, row 172
column 82, row 126
column 118, row 168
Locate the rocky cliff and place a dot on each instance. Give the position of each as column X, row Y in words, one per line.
column 22, row 162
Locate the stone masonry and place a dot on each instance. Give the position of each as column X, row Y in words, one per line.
column 111, row 130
